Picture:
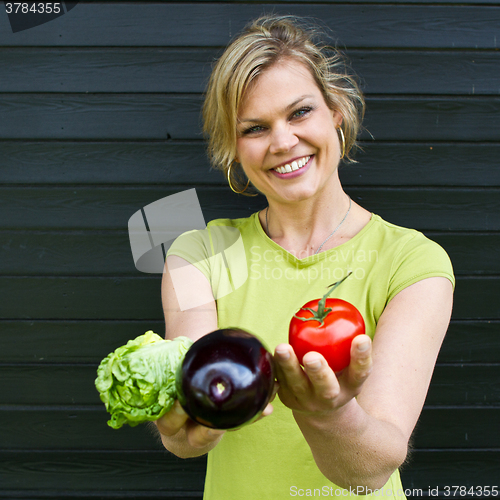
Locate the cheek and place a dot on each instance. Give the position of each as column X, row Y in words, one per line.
column 248, row 152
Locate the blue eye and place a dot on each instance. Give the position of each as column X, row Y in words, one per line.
column 302, row 112
column 253, row 130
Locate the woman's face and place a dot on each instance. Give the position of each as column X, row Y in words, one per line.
column 285, row 124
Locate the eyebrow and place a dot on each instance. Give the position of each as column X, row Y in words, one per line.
column 286, row 109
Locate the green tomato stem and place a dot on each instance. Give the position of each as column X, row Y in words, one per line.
column 322, row 312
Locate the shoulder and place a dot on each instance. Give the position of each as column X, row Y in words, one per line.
column 409, row 254
column 242, row 223
column 401, row 239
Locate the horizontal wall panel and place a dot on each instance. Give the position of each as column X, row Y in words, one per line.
column 185, row 162
column 108, row 253
column 454, row 428
column 213, row 24
column 159, row 69
column 66, row 341
column 100, row 471
column 87, row 430
column 465, row 385
column 81, row 298
column 121, row 162
column 171, row 116
column 139, row 298
column 432, row 119
column 425, row 209
column 129, row 69
column 422, row 72
column 471, row 342
column 96, row 472
column 435, row 468
column 71, row 428
column 73, row 384
column 420, row 164
column 70, row 341
column 52, row 494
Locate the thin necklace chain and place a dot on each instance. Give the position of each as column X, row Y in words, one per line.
column 334, row 231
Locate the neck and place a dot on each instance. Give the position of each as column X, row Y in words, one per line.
column 302, row 228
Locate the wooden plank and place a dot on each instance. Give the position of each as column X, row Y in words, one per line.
column 175, row 116
column 75, row 428
column 137, row 298
column 420, row 164
column 420, row 72
column 107, row 253
column 98, row 473
column 69, row 341
column 114, row 69
column 471, row 342
column 186, row 70
column 431, row 119
column 183, row 162
column 470, row 254
column 213, row 24
column 120, row 162
column 436, row 468
column 464, row 385
column 104, row 208
column 86, row 429
column 457, row 385
column 448, row 209
column 89, row 341
column 101, row 495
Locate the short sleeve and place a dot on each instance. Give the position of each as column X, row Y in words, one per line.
column 419, row 258
column 218, row 252
column 193, row 246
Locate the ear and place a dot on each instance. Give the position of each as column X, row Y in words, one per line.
column 337, row 118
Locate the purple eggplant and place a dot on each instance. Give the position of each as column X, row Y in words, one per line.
column 226, row 379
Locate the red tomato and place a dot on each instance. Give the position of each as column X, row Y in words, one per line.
column 328, row 327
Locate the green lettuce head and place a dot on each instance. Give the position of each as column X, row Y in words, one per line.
column 136, row 382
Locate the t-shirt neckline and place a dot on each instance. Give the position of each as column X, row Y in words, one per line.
column 315, row 257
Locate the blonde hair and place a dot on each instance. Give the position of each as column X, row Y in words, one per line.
column 263, row 43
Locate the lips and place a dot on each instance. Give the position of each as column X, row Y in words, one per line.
column 292, row 166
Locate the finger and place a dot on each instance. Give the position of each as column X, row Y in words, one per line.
column 289, row 371
column 321, row 376
column 275, row 390
column 267, row 411
column 172, row 421
column 199, row 436
column 361, row 361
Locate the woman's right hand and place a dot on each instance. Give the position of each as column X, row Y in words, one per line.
column 176, row 421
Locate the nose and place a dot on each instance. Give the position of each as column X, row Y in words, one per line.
column 282, row 139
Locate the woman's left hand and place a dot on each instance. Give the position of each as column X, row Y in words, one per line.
column 315, row 389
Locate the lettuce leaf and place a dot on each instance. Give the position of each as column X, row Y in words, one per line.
column 136, row 382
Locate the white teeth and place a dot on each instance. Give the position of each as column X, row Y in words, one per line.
column 295, row 165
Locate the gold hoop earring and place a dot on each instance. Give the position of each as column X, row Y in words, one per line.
column 229, row 181
column 343, row 142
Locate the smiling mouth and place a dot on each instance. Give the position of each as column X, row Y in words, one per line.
column 294, row 165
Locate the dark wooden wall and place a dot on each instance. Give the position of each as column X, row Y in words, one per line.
column 99, row 116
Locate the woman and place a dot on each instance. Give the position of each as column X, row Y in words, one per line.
column 283, row 114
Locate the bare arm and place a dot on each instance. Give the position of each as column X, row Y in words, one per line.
column 358, row 426
column 190, row 310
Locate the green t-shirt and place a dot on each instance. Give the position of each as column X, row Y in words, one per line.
column 259, row 286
